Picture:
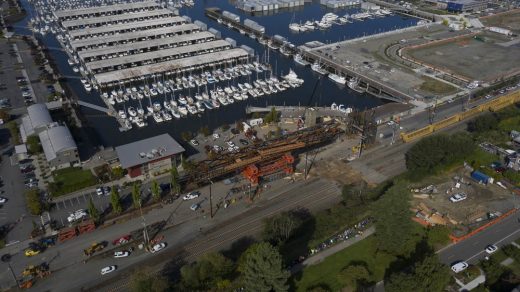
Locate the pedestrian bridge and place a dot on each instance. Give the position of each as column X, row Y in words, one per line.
column 93, row 106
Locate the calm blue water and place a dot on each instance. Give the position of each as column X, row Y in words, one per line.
column 326, row 93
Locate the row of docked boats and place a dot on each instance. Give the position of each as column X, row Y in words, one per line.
column 183, row 105
column 330, row 18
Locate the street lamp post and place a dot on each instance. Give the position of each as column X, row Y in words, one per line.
column 210, row 199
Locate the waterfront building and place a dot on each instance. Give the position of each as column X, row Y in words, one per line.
column 150, row 156
column 36, row 120
column 59, row 147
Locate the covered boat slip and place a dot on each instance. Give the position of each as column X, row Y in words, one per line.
column 173, row 66
column 63, row 15
column 124, row 38
column 127, row 27
column 116, row 19
column 145, row 46
column 179, row 53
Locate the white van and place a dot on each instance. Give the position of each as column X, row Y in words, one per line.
column 459, row 267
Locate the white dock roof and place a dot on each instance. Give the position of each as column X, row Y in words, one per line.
column 144, row 45
column 119, row 17
column 105, row 9
column 173, row 65
column 125, row 26
column 156, row 54
column 133, row 35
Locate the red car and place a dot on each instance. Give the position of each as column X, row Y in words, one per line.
column 122, row 240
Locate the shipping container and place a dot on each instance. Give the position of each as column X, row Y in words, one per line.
column 481, row 178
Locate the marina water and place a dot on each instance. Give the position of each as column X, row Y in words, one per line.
column 327, row 91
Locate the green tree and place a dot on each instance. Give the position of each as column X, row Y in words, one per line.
column 445, row 22
column 92, row 210
column 136, row 195
column 209, row 271
column 115, row 200
column 13, row 130
column 354, row 276
column 144, row 280
column 272, row 117
column 395, row 232
column 263, row 269
column 33, row 144
column 493, row 270
column 484, row 123
column 205, row 131
column 174, row 177
column 117, row 172
column 33, row 202
column 432, row 154
column 156, row 191
column 280, row 228
column 427, row 275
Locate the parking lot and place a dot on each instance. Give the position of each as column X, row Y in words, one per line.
column 10, row 92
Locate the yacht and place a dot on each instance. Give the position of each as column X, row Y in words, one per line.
column 139, row 122
column 182, row 110
column 132, row 112
column 292, row 77
column 338, row 79
column 299, row 60
column 157, row 117
column 294, row 27
column 316, row 67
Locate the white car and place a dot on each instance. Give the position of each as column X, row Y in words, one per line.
column 3, row 200
column 216, row 136
column 191, row 196
column 158, row 247
column 194, row 142
column 458, row 197
column 490, row 249
column 77, row 215
column 230, row 143
column 108, row 269
column 99, row 191
column 217, row 148
column 194, row 207
column 459, row 267
column 121, row 254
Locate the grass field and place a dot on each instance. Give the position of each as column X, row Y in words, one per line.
column 324, row 274
column 437, row 87
column 71, row 179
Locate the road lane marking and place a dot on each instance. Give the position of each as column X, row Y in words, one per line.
column 496, row 243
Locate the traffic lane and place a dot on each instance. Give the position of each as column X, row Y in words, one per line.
column 472, row 249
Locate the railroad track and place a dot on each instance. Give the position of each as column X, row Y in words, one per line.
column 249, row 226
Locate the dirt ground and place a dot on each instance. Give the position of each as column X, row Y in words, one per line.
column 509, row 20
column 481, row 201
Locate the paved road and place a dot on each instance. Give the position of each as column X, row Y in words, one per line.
column 471, row 250
column 66, row 260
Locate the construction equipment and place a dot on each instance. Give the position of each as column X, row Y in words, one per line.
column 66, row 234
column 227, row 163
column 86, row 226
column 31, row 273
column 96, row 246
column 254, row 172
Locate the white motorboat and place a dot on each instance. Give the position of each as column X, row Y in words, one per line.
column 338, row 79
column 132, row 112
column 299, row 60
column 316, row 67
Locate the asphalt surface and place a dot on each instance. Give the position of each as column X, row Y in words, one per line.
column 472, row 249
column 240, row 219
column 14, row 211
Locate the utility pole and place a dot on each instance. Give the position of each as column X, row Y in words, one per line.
column 210, row 199
column 146, row 237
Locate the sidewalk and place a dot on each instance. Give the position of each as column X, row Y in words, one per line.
column 319, row 257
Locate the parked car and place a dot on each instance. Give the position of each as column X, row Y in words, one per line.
column 458, row 197
column 122, row 240
column 121, row 254
column 490, row 249
column 216, row 135
column 243, row 142
column 459, row 267
column 77, row 215
column 108, row 269
column 195, row 207
column 99, row 191
column 191, row 196
column 3, row 200
column 194, row 142
column 158, row 247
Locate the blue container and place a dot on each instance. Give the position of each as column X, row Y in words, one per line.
column 480, row 177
